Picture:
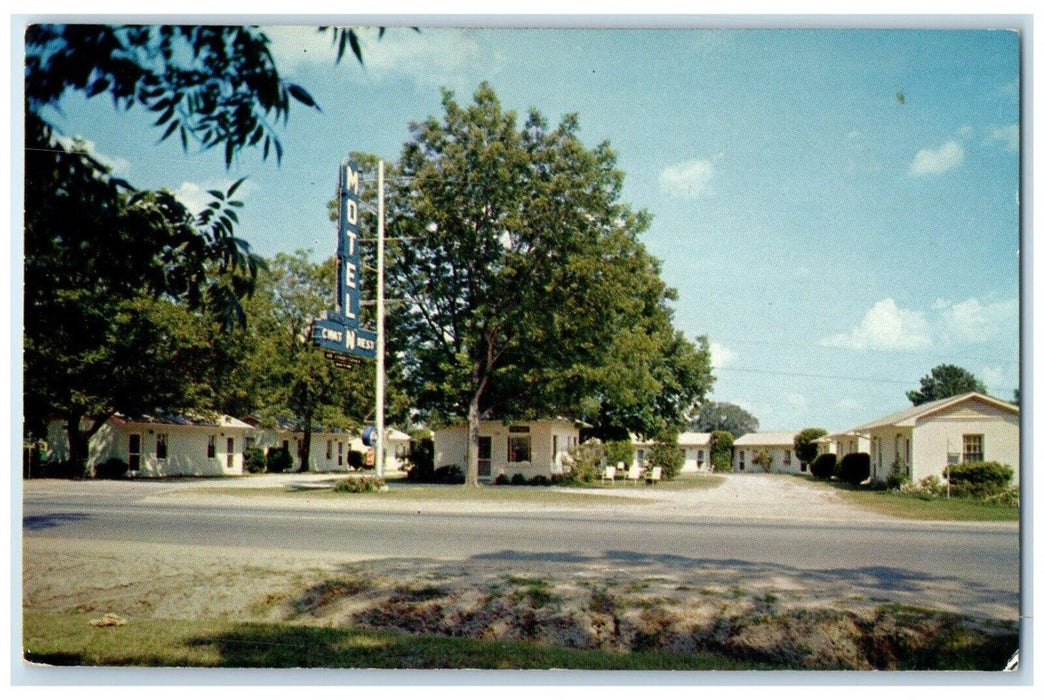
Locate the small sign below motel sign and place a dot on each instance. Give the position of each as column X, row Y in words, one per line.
column 338, row 331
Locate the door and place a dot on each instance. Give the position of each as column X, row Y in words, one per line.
column 134, row 451
column 485, row 456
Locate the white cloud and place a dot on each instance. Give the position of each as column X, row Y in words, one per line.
column 885, row 327
column 971, row 321
column 945, row 158
column 1008, row 135
column 195, row 196
column 433, row 58
column 690, row 179
column 966, row 131
column 721, row 355
column 118, row 166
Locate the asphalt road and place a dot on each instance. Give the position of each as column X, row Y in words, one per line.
column 979, row 560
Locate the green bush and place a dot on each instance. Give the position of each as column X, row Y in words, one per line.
column 669, row 458
column 854, row 468
column 823, row 466
column 897, row 475
column 539, row 480
column 501, row 479
column 356, row 459
column 617, row 451
column 979, row 479
column 448, row 474
column 278, row 460
column 721, row 451
column 763, row 459
column 422, row 453
column 518, row 480
column 588, row 458
column 114, row 468
column 364, row 485
column 254, row 460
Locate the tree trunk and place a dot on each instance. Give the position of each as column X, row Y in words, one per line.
column 471, row 473
column 305, row 453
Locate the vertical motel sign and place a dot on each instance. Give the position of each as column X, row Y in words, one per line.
column 338, row 331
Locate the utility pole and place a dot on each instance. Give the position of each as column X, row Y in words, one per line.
column 379, row 446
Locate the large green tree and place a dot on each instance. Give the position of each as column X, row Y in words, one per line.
column 805, row 447
column 721, row 415
column 943, row 382
column 100, row 257
column 526, row 289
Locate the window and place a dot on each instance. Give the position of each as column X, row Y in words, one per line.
column 485, row 455
column 329, row 449
column 742, row 460
column 161, row 445
column 340, row 453
column 786, row 458
column 134, row 451
column 518, row 448
column 973, row 448
column 230, row 451
column 211, row 446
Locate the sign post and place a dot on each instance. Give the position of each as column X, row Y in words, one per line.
column 338, row 332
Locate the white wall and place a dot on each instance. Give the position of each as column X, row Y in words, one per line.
column 939, row 433
column 451, row 447
column 781, row 454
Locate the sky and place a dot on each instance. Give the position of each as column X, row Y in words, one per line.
column 838, row 209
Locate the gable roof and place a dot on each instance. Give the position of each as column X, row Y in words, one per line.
column 217, row 420
column 779, row 438
column 910, row 416
column 694, row 439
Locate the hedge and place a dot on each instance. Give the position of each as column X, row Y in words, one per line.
column 980, row 479
column 854, row 468
column 823, row 466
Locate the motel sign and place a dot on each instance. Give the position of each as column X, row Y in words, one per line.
column 338, row 331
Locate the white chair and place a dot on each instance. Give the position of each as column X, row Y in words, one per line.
column 654, row 475
column 634, row 473
column 609, row 474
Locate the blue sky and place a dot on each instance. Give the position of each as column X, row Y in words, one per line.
column 838, row 209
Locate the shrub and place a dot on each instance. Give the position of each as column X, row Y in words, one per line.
column 763, row 459
column 422, row 451
column 114, row 468
column 448, row 474
column 979, row 479
column 539, row 480
column 721, row 451
column 854, row 468
column 669, row 458
column 1006, row 497
column 363, row 485
column 823, row 466
column 518, row 480
column 501, row 479
column 254, row 460
column 927, row 488
column 587, row 459
column 897, row 475
column 356, row 459
column 617, row 451
column 278, row 460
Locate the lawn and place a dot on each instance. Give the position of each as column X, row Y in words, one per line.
column 917, row 508
column 66, row 639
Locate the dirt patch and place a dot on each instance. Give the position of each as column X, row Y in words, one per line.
column 771, row 616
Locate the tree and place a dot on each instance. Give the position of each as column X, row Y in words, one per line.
column 100, row 258
column 721, row 451
column 216, row 85
column 668, row 457
column 296, row 380
column 805, row 447
column 721, row 415
column 943, row 382
column 526, row 288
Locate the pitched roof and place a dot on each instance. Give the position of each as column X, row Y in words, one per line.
column 908, row 417
column 779, row 438
column 694, row 439
column 217, row 420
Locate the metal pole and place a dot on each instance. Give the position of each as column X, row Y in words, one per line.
column 379, row 446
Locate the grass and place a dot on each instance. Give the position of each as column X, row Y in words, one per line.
column 916, row 508
column 66, row 639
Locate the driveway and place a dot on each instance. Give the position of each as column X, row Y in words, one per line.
column 739, row 496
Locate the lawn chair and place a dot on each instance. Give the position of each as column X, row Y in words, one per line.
column 634, row 473
column 654, row 475
column 609, row 474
